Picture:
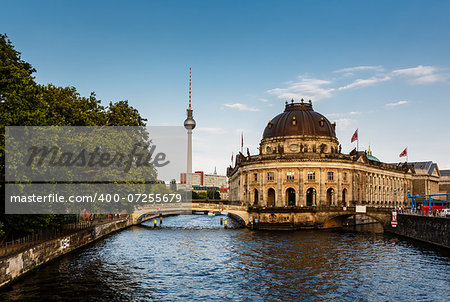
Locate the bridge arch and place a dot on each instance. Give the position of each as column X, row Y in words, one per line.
column 337, row 220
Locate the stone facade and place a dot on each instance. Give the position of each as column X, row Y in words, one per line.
column 301, row 164
column 312, row 179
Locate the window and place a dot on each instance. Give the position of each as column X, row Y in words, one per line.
column 270, row 176
column 268, row 149
column 290, row 175
column 255, row 176
column 311, row 175
column 344, row 176
column 330, row 175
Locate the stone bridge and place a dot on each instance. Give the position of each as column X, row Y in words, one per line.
column 142, row 214
column 314, row 217
column 280, row 218
column 240, row 213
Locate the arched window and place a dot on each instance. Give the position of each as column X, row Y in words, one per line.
column 290, row 197
column 311, row 197
column 271, row 197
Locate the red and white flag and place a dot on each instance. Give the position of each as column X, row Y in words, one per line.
column 231, row 157
column 404, row 152
column 355, row 136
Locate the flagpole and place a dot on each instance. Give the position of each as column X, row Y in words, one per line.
column 242, row 142
column 357, row 140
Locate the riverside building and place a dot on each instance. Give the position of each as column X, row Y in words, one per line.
column 300, row 163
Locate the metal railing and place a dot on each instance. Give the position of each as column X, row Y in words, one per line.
column 25, row 242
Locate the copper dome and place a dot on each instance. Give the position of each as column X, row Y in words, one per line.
column 299, row 119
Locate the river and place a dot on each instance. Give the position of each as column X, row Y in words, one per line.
column 193, row 258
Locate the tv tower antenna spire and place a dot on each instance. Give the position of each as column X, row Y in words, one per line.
column 189, row 87
column 189, row 124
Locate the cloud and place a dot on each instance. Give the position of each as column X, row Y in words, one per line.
column 390, row 105
column 350, row 70
column 343, row 123
column 421, row 74
column 316, row 89
column 211, row 130
column 306, row 88
column 415, row 71
column 343, row 114
column 364, row 82
column 263, row 100
column 241, row 107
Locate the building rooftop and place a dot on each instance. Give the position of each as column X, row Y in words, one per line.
column 445, row 172
column 299, row 119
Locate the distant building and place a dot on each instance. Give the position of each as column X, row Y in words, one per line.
column 444, row 183
column 206, row 182
column 426, row 178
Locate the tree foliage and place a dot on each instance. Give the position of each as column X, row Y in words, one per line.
column 23, row 102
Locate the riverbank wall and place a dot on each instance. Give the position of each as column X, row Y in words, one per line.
column 26, row 261
column 434, row 230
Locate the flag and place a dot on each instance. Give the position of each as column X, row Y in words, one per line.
column 404, row 153
column 231, row 157
column 355, row 136
column 242, row 140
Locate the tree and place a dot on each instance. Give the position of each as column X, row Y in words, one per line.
column 23, row 102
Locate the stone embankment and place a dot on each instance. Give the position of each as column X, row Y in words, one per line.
column 434, row 230
column 25, row 261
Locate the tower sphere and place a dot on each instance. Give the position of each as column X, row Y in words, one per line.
column 189, row 123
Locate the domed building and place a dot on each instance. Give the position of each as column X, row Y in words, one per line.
column 300, row 163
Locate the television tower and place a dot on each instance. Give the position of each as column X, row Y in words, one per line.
column 189, row 124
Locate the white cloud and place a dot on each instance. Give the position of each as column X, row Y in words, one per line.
column 421, row 74
column 350, row 70
column 211, row 130
column 396, row 104
column 263, row 100
column 364, row 82
column 316, row 89
column 415, row 71
column 241, row 107
column 306, row 88
column 343, row 123
column 343, row 114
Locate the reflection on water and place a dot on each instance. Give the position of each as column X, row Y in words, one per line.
column 194, row 258
column 365, row 228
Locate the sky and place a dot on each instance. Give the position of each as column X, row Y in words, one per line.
column 382, row 67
